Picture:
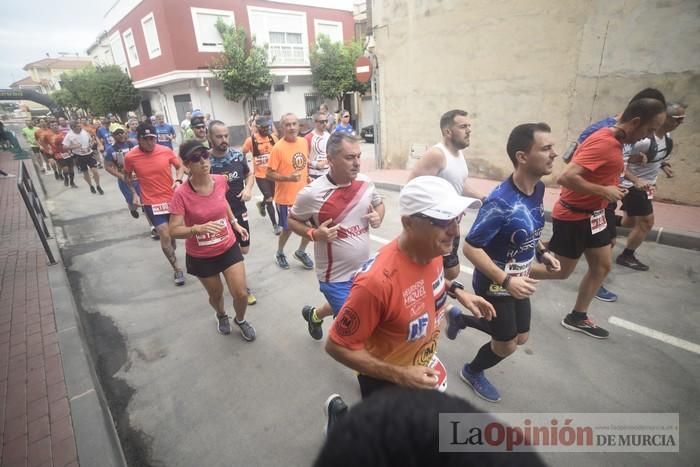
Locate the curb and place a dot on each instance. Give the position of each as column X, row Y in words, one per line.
column 96, row 437
column 660, row 235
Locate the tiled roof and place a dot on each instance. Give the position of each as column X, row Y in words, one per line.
column 67, row 63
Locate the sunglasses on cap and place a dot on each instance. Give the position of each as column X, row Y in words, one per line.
column 196, row 155
column 678, row 118
column 441, row 223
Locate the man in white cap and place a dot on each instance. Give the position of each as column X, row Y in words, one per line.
column 388, row 328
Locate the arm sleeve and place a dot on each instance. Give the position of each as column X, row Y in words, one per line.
column 589, row 154
column 376, row 197
column 303, row 208
column 357, row 319
column 174, row 160
column 487, row 224
column 274, row 161
column 177, row 204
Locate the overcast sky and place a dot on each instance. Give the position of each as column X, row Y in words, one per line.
column 30, row 29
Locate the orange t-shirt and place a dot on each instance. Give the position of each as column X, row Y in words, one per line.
column 261, row 155
column 601, row 156
column 43, row 136
column 394, row 309
column 154, row 173
column 285, row 158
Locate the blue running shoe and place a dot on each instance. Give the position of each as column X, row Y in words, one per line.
column 481, row 386
column 453, row 322
column 604, row 295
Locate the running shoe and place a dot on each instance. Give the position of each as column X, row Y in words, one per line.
column 335, row 409
column 631, row 261
column 73, row 185
column 154, row 234
column 223, row 325
column 276, row 229
column 56, row 175
column 454, row 322
column 134, row 213
column 281, row 261
column 66, row 181
column 179, row 278
column 251, row 298
column 480, row 384
column 99, row 190
column 92, row 190
column 261, row 208
column 585, row 326
column 304, row 258
column 604, row 295
column 247, row 331
column 315, row 329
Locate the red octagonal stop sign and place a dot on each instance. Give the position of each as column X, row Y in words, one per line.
column 363, row 69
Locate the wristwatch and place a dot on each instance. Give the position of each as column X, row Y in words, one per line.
column 452, row 291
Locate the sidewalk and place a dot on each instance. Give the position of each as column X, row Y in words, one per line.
column 675, row 225
column 47, row 399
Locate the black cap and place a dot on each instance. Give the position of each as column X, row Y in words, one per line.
column 197, row 121
column 145, row 129
column 196, row 147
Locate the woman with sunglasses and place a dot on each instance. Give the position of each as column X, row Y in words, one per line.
column 200, row 214
column 344, row 126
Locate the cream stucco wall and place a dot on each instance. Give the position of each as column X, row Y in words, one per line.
column 567, row 63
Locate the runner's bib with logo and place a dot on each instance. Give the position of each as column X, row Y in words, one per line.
column 437, row 365
column 160, row 209
column 261, row 160
column 208, row 239
column 598, row 221
column 513, row 269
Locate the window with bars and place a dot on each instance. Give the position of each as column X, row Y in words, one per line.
column 260, row 104
column 312, row 102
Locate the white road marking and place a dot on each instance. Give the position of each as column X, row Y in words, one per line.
column 654, row 334
column 384, row 241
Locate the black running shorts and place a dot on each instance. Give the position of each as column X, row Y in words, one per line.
column 636, row 203
column 207, row 267
column 512, row 317
column 571, row 238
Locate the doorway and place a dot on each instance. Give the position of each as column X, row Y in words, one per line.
column 183, row 104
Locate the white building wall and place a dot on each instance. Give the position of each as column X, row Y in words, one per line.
column 292, row 98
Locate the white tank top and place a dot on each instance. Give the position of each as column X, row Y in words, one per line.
column 455, row 170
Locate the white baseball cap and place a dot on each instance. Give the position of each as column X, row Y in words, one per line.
column 434, row 197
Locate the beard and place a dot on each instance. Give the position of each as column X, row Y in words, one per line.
column 459, row 143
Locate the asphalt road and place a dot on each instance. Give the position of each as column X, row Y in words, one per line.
column 183, row 395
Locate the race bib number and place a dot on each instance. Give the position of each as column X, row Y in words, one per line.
column 513, row 269
column 163, row 137
column 651, row 190
column 262, row 160
column 208, row 239
column 244, row 216
column 437, row 365
column 160, row 209
column 598, row 221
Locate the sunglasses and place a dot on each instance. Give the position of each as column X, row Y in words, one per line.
column 346, row 116
column 441, row 223
column 197, row 155
column 199, row 127
column 321, row 121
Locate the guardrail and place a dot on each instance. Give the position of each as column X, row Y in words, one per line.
column 34, row 207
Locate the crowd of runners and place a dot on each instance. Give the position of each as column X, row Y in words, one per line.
column 387, row 309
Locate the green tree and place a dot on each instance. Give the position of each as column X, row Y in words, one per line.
column 242, row 67
column 98, row 90
column 333, row 68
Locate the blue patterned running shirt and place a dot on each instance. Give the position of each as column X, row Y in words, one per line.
column 507, row 227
